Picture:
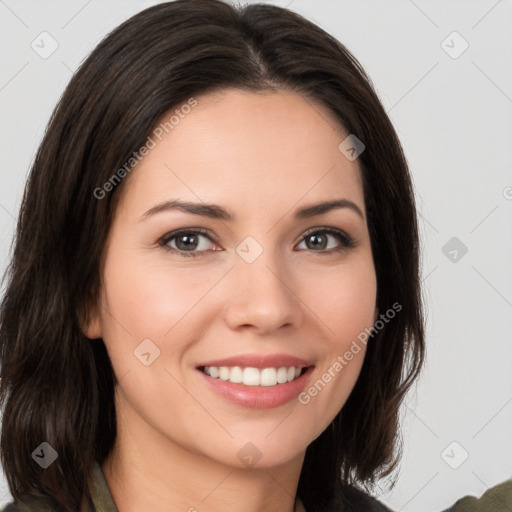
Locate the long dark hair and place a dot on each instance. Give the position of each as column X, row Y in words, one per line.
column 57, row 385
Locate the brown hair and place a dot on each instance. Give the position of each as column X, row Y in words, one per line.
column 57, row 385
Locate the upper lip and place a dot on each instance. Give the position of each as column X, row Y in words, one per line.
column 259, row 361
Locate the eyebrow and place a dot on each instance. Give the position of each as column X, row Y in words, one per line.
column 214, row 211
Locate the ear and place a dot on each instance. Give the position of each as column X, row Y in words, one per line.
column 91, row 325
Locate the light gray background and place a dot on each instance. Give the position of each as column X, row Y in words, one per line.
column 453, row 116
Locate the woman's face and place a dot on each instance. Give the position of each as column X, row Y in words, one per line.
column 268, row 288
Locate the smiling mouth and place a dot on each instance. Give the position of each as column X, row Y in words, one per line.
column 250, row 376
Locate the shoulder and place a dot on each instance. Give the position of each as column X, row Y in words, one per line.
column 28, row 503
column 357, row 500
column 100, row 493
column 497, row 499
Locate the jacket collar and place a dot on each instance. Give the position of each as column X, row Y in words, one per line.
column 101, row 495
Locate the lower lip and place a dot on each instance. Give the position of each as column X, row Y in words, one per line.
column 258, row 397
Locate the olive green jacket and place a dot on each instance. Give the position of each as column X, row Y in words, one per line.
column 496, row 499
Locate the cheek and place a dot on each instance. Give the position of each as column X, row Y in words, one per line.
column 150, row 300
column 147, row 298
column 344, row 299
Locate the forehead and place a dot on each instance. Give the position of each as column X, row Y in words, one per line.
column 234, row 147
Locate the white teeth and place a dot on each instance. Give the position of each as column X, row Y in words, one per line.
column 268, row 377
column 254, row 376
column 223, row 373
column 236, row 375
column 282, row 375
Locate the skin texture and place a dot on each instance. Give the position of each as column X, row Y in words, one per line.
column 261, row 156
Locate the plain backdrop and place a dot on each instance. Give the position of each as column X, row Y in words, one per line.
column 443, row 73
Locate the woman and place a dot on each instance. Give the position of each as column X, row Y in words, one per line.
column 213, row 301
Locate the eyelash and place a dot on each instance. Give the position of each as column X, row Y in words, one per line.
column 347, row 242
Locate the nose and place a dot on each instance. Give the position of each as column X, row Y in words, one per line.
column 262, row 296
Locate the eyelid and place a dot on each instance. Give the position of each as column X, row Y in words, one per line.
column 164, row 240
column 347, row 241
